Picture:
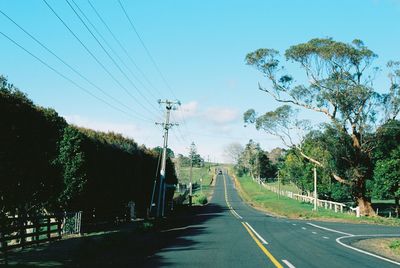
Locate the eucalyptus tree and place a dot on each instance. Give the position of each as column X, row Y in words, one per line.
column 338, row 83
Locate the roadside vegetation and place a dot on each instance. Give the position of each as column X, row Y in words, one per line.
column 387, row 247
column 202, row 180
column 50, row 166
column 203, row 174
column 272, row 203
column 356, row 150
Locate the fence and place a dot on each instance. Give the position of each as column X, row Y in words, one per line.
column 72, row 223
column 337, row 207
column 20, row 232
column 16, row 232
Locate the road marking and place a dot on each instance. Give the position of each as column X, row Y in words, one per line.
column 366, row 252
column 236, row 214
column 325, row 237
column 259, row 236
column 294, row 224
column 266, row 252
column 314, row 232
column 233, row 212
column 304, row 228
column 328, row 229
column 288, row 264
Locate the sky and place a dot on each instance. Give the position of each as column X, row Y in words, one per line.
column 111, row 77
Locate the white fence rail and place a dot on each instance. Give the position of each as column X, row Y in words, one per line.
column 337, row 207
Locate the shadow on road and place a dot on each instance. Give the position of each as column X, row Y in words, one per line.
column 126, row 246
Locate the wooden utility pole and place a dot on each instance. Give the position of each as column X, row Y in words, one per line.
column 190, row 180
column 315, row 189
column 169, row 105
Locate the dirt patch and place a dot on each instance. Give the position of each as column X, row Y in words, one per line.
column 380, row 246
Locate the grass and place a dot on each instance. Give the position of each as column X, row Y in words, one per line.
column 202, row 178
column 387, row 247
column 285, row 187
column 269, row 201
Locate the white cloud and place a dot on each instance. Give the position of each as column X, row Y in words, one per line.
column 187, row 110
column 221, row 115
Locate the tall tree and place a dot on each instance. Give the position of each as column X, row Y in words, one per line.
column 233, row 151
column 340, row 86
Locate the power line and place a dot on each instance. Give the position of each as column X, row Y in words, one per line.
column 68, row 65
column 146, row 49
column 86, row 48
column 115, row 63
column 123, row 48
column 149, row 55
column 67, row 78
column 110, row 47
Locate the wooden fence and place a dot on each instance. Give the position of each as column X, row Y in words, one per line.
column 21, row 232
column 336, row 206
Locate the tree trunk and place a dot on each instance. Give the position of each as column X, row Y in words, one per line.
column 397, row 207
column 365, row 207
column 362, row 171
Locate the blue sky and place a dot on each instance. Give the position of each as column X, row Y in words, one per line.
column 199, row 47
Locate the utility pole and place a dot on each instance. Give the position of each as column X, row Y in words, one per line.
column 190, row 182
column 169, row 105
column 279, row 186
column 315, row 189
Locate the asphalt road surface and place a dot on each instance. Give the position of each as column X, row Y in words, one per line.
column 229, row 233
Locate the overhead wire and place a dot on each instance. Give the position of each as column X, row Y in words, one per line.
column 124, row 49
column 85, row 47
column 150, row 56
column 113, row 50
column 66, row 77
column 115, row 63
column 68, row 65
column 146, row 49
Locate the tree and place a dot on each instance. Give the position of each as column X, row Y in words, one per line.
column 255, row 161
column 387, row 162
column 233, row 151
column 159, row 150
column 196, row 159
column 340, row 86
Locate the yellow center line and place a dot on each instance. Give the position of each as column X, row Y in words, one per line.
column 266, row 252
column 227, row 202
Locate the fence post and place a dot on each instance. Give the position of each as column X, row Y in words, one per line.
column 48, row 228
column 59, row 229
column 22, row 230
column 37, row 229
column 3, row 245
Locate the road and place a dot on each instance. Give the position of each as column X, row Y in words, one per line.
column 229, row 233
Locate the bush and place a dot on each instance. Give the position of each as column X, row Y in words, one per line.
column 395, row 244
column 202, row 199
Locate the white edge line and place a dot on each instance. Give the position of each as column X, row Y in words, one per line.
column 259, row 236
column 236, row 214
column 328, row 229
column 366, row 252
column 288, row 264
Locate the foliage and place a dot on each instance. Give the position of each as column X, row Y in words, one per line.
column 233, row 151
column 386, row 156
column 395, row 244
column 29, row 136
column 192, row 159
column 159, row 150
column 255, row 161
column 340, row 86
column 46, row 164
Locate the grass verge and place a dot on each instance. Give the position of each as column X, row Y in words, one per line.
column 202, row 179
column 263, row 199
column 386, row 247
